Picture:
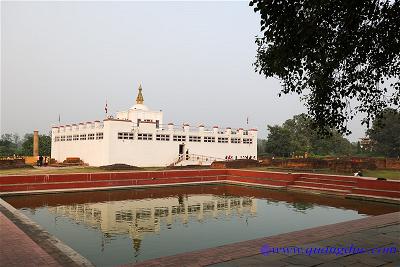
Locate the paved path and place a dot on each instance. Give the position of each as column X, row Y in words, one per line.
column 25, row 243
column 17, row 249
column 380, row 237
column 370, row 232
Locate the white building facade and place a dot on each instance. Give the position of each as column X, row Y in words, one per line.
column 138, row 137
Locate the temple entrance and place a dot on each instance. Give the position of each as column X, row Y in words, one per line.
column 181, row 149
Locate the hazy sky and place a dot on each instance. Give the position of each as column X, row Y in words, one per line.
column 194, row 60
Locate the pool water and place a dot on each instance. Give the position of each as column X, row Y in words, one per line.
column 127, row 226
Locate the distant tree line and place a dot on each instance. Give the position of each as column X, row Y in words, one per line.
column 298, row 135
column 13, row 144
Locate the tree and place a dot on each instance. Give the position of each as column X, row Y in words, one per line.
column 297, row 136
column 9, row 144
column 44, row 145
column 385, row 133
column 279, row 141
column 330, row 52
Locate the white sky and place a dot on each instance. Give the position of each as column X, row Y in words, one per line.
column 194, row 60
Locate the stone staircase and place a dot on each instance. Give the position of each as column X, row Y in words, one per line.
column 358, row 192
column 193, row 159
column 334, row 184
column 345, row 186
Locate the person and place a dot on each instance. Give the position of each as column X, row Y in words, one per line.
column 40, row 163
column 358, row 173
column 46, row 161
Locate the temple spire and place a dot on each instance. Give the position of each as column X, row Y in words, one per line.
column 139, row 98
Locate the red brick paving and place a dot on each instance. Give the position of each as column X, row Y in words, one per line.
column 17, row 249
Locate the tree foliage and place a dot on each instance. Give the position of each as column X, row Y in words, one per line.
column 331, row 52
column 11, row 144
column 297, row 136
column 385, row 133
column 44, row 144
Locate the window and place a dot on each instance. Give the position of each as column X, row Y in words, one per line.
column 222, row 139
column 247, row 141
column 82, row 137
column 75, row 137
column 162, row 137
column 145, row 136
column 99, row 136
column 90, row 136
column 125, row 136
column 180, row 138
column 193, row 138
column 208, row 206
column 56, row 138
column 245, row 132
column 209, row 139
column 69, row 137
column 235, row 140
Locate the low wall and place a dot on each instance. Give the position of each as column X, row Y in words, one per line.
column 12, row 164
column 393, row 164
column 31, row 160
column 235, row 164
column 98, row 181
column 338, row 164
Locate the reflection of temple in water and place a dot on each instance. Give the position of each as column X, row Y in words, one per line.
column 137, row 217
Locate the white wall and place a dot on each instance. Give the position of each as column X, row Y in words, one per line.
column 144, row 153
column 90, row 151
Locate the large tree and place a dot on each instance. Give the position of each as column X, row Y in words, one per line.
column 9, row 144
column 385, row 133
column 297, row 136
column 331, row 52
column 44, row 145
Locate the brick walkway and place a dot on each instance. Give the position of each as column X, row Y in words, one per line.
column 371, row 232
column 17, row 249
column 24, row 243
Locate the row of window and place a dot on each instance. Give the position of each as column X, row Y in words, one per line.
column 75, row 137
column 144, row 136
column 182, row 138
column 125, row 135
column 147, row 136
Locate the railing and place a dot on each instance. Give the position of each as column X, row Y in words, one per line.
column 195, row 157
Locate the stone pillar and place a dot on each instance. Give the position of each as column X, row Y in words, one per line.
column 35, row 143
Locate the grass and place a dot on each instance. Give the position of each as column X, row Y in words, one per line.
column 62, row 170
column 388, row 174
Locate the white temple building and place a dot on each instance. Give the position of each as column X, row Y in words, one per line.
column 138, row 137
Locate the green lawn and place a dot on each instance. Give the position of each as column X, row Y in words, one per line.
column 60, row 170
column 388, row 174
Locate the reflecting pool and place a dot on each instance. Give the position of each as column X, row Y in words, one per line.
column 123, row 226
